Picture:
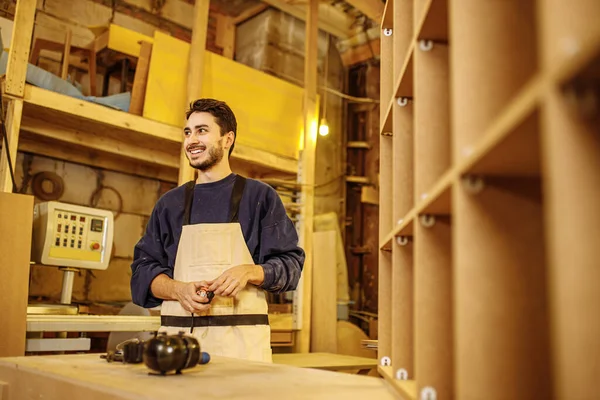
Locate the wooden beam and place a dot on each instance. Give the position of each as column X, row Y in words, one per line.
column 226, row 35
column 331, row 19
column 195, row 74
column 369, row 195
column 93, row 158
column 13, row 123
column 99, row 142
column 66, row 55
column 20, row 44
column 371, row 8
column 307, row 175
column 140, row 79
column 361, row 53
column 250, row 13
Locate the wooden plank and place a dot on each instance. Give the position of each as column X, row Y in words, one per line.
column 87, row 376
column 16, row 210
column 250, row 13
column 307, row 175
column 371, row 8
column 369, row 195
column 13, row 123
column 140, row 80
column 124, row 40
column 325, row 361
column 324, row 299
column 195, row 75
column 226, row 35
column 93, row 158
column 66, row 54
column 18, row 56
column 95, row 116
column 92, row 69
column 331, row 19
column 99, row 142
column 361, row 53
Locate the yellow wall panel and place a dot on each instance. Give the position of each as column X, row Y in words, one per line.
column 268, row 109
column 125, row 40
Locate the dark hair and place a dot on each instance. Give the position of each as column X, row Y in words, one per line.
column 223, row 115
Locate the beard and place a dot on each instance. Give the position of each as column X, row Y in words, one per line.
column 214, row 156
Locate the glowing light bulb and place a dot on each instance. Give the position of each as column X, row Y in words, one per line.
column 323, row 127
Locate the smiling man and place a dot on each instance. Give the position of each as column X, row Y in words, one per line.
column 213, row 247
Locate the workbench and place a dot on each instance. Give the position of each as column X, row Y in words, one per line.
column 87, row 376
column 327, row 361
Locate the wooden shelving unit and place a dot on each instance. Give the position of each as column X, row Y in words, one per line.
column 490, row 198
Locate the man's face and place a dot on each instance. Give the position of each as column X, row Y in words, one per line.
column 204, row 145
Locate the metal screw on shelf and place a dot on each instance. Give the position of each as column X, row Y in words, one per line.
column 403, row 101
column 402, row 374
column 426, row 45
column 387, row 31
column 473, row 184
column 427, row 220
column 428, row 393
column 400, row 221
column 402, row 240
column 385, row 361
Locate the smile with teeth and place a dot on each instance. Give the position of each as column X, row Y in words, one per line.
column 196, row 150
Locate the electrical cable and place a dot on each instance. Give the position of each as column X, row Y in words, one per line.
column 6, row 146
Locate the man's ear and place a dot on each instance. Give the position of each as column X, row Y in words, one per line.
column 230, row 139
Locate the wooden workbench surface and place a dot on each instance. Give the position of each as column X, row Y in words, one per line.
column 87, row 376
column 326, row 361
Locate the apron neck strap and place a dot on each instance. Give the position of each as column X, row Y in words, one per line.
column 234, row 204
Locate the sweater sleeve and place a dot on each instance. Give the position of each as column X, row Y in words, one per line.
column 149, row 261
column 280, row 256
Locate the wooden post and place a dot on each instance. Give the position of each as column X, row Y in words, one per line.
column 66, row 55
column 226, row 35
column 140, row 79
column 195, row 74
column 16, row 71
column 13, row 124
column 307, row 169
column 20, row 43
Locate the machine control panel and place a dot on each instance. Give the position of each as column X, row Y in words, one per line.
column 70, row 235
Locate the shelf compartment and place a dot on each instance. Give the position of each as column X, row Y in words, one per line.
column 432, row 124
column 487, row 68
column 387, row 19
column 404, row 83
column 403, row 34
column 570, row 34
column 431, row 20
column 571, row 168
column 404, row 227
column 384, row 318
column 406, row 388
column 385, row 186
column 512, row 136
column 499, row 286
column 402, row 306
column 433, row 305
column 403, row 159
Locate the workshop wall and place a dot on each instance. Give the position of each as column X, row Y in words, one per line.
column 130, row 198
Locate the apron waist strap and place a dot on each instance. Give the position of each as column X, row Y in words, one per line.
column 214, row 320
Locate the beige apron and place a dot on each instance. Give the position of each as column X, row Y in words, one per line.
column 233, row 327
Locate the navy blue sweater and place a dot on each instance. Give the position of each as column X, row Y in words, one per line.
column 269, row 233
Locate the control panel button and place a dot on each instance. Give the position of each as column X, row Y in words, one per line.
column 95, row 246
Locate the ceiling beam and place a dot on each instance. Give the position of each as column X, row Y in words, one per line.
column 371, row 8
column 331, row 19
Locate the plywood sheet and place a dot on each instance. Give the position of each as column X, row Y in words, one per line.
column 87, row 376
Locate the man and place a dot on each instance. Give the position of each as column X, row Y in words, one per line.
column 222, row 235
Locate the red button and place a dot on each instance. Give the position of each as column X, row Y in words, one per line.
column 95, row 246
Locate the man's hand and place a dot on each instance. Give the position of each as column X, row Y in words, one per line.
column 188, row 296
column 233, row 280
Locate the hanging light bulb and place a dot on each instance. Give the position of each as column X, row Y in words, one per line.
column 323, row 127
